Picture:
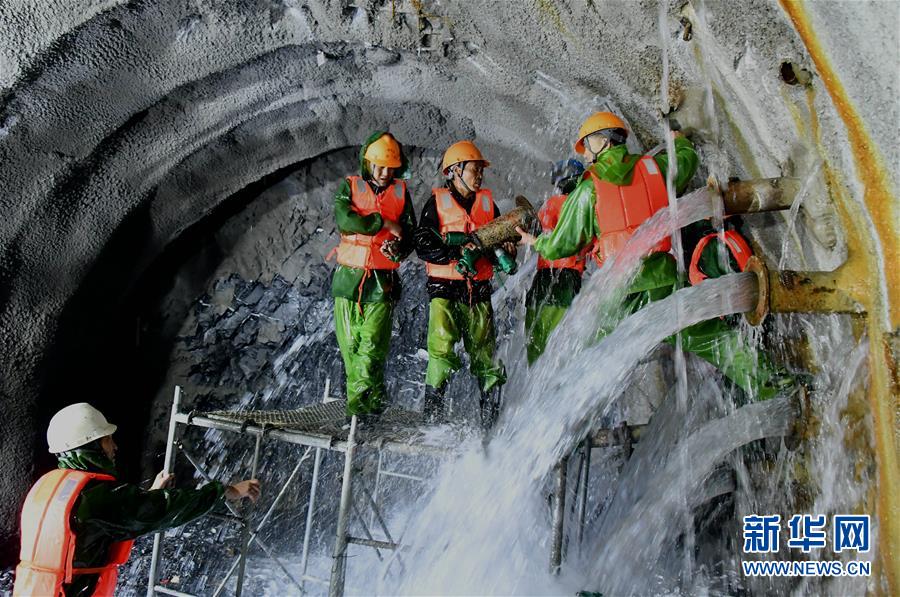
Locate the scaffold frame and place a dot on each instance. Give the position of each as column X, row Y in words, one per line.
column 293, row 427
column 315, row 443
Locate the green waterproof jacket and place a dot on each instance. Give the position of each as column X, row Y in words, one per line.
column 381, row 285
column 110, row 511
column 577, row 226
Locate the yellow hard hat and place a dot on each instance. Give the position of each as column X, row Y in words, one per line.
column 384, row 151
column 75, row 426
column 598, row 121
column 462, row 151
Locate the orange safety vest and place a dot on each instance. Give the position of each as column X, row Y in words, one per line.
column 549, row 216
column 453, row 218
column 48, row 542
column 363, row 251
column 737, row 246
column 620, row 210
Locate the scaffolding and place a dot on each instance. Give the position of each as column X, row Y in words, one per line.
column 317, row 428
column 323, row 427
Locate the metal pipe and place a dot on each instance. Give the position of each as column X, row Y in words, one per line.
column 403, row 476
column 338, row 567
column 808, row 292
column 843, row 290
column 167, row 468
column 365, row 528
column 374, row 505
column 759, row 195
column 559, row 514
column 373, row 543
column 573, row 506
column 315, row 579
column 245, row 533
column 307, row 439
column 384, row 529
column 583, row 482
column 165, row 591
column 377, row 483
column 226, row 518
column 838, row 291
column 307, row 532
column 314, row 485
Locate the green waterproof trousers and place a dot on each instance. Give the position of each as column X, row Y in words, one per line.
column 540, row 321
column 364, row 339
column 715, row 341
column 448, row 321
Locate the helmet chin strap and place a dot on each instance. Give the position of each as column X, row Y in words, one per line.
column 594, row 154
column 462, row 181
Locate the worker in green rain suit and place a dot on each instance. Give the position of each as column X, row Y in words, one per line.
column 459, row 282
column 630, row 189
column 555, row 283
column 375, row 217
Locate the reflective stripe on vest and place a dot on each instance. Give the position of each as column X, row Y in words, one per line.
column 549, row 216
column 48, row 543
column 363, row 251
column 620, row 210
column 453, row 218
column 737, row 246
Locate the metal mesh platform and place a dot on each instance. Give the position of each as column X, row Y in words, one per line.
column 307, row 419
column 328, row 420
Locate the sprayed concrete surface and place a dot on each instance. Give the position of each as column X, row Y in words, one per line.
column 125, row 125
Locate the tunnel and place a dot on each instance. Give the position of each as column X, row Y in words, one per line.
column 169, row 168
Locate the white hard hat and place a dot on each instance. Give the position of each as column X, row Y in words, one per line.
column 77, row 425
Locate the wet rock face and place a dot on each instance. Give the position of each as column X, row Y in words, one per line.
column 123, row 125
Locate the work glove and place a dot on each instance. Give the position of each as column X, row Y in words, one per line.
column 466, row 264
column 456, row 239
column 391, row 250
column 506, row 263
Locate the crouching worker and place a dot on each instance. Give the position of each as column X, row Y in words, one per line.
column 78, row 521
column 555, row 282
column 459, row 282
column 375, row 217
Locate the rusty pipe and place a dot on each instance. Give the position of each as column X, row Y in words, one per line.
column 787, row 291
column 758, row 195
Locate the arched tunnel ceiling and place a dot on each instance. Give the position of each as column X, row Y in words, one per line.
column 138, row 118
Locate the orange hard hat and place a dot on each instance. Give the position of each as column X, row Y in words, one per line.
column 461, row 151
column 384, row 151
column 598, row 121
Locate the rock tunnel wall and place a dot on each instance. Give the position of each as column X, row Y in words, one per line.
column 124, row 126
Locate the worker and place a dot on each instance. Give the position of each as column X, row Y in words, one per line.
column 78, row 521
column 459, row 282
column 555, row 282
column 375, row 217
column 617, row 193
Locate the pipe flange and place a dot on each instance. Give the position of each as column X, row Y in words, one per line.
column 758, row 315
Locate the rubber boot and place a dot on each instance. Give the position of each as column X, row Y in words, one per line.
column 433, row 406
column 490, row 408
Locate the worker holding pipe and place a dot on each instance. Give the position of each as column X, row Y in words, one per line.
column 375, row 217
column 617, row 193
column 459, row 281
column 555, row 282
column 79, row 521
